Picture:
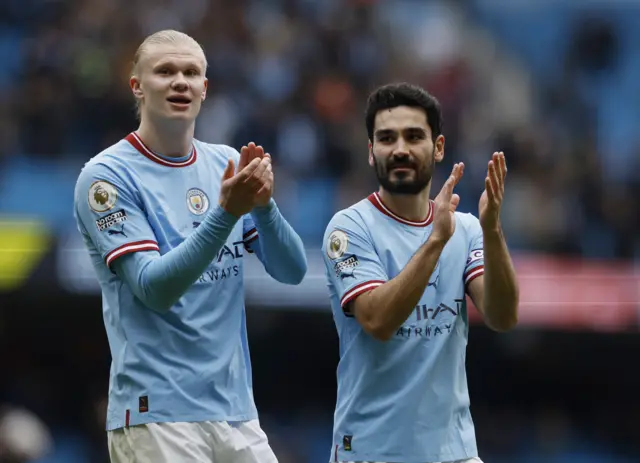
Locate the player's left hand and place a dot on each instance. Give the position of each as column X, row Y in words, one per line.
column 248, row 153
column 491, row 199
column 263, row 196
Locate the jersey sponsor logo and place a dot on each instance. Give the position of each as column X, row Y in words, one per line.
column 430, row 322
column 112, row 219
column 475, row 255
column 344, row 268
column 337, row 244
column 197, row 201
column 102, row 196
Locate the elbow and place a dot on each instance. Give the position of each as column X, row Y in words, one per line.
column 158, row 304
column 293, row 274
column 505, row 323
column 377, row 330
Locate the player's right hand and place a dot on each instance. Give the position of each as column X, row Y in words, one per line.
column 238, row 190
column 445, row 205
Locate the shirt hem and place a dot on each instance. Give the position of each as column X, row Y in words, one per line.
column 147, row 419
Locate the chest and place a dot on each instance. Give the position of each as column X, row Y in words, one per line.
column 176, row 201
column 396, row 247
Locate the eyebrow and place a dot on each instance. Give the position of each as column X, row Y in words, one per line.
column 189, row 64
column 383, row 132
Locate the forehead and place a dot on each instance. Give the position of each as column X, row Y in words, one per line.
column 173, row 53
column 400, row 118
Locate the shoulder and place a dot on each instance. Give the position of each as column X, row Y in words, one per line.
column 105, row 175
column 216, row 150
column 108, row 165
column 353, row 218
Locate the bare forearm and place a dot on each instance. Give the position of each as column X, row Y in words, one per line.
column 382, row 311
column 501, row 293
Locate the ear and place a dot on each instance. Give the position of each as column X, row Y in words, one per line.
column 439, row 151
column 204, row 90
column 371, row 163
column 134, row 83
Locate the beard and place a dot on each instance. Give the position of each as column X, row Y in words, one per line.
column 404, row 183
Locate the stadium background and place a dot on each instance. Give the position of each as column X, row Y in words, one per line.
column 552, row 84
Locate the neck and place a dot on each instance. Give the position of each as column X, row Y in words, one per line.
column 410, row 207
column 171, row 140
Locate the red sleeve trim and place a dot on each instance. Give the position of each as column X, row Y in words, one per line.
column 136, row 246
column 359, row 289
column 473, row 274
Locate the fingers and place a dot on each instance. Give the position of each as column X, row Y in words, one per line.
column 492, row 175
column 500, row 164
column 267, row 184
column 263, row 165
column 244, row 158
column 229, row 170
column 455, row 201
column 489, row 189
column 248, row 153
column 452, row 181
column 248, row 171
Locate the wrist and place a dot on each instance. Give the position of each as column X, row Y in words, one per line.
column 494, row 230
column 268, row 206
column 228, row 213
column 437, row 240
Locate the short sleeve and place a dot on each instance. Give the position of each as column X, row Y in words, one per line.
column 475, row 252
column 109, row 214
column 352, row 265
column 249, row 233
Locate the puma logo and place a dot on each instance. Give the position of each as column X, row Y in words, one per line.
column 118, row 232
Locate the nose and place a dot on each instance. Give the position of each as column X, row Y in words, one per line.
column 402, row 147
column 180, row 83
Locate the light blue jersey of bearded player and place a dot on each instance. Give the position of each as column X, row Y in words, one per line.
column 405, row 399
column 179, row 352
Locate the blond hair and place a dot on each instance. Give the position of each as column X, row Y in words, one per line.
column 164, row 37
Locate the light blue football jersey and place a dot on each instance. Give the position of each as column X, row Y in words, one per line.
column 191, row 363
column 404, row 400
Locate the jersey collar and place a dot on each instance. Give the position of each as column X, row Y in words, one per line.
column 376, row 200
column 135, row 140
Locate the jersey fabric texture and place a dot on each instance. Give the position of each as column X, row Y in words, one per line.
column 404, row 399
column 190, row 363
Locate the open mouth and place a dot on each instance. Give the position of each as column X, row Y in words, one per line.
column 179, row 99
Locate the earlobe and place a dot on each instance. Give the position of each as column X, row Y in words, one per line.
column 371, row 163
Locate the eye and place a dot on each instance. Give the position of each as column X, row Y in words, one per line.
column 192, row 73
column 163, row 71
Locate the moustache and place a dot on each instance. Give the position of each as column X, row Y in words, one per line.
column 400, row 164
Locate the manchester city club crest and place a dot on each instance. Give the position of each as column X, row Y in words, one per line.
column 197, row 201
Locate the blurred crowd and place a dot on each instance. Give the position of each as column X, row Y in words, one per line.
column 293, row 75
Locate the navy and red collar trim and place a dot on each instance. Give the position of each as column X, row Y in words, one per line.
column 135, row 140
column 376, row 200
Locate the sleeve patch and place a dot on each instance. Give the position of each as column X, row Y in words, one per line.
column 337, row 244
column 102, row 196
column 344, row 268
column 112, row 219
column 475, row 255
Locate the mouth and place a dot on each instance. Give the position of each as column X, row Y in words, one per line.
column 179, row 100
column 401, row 169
